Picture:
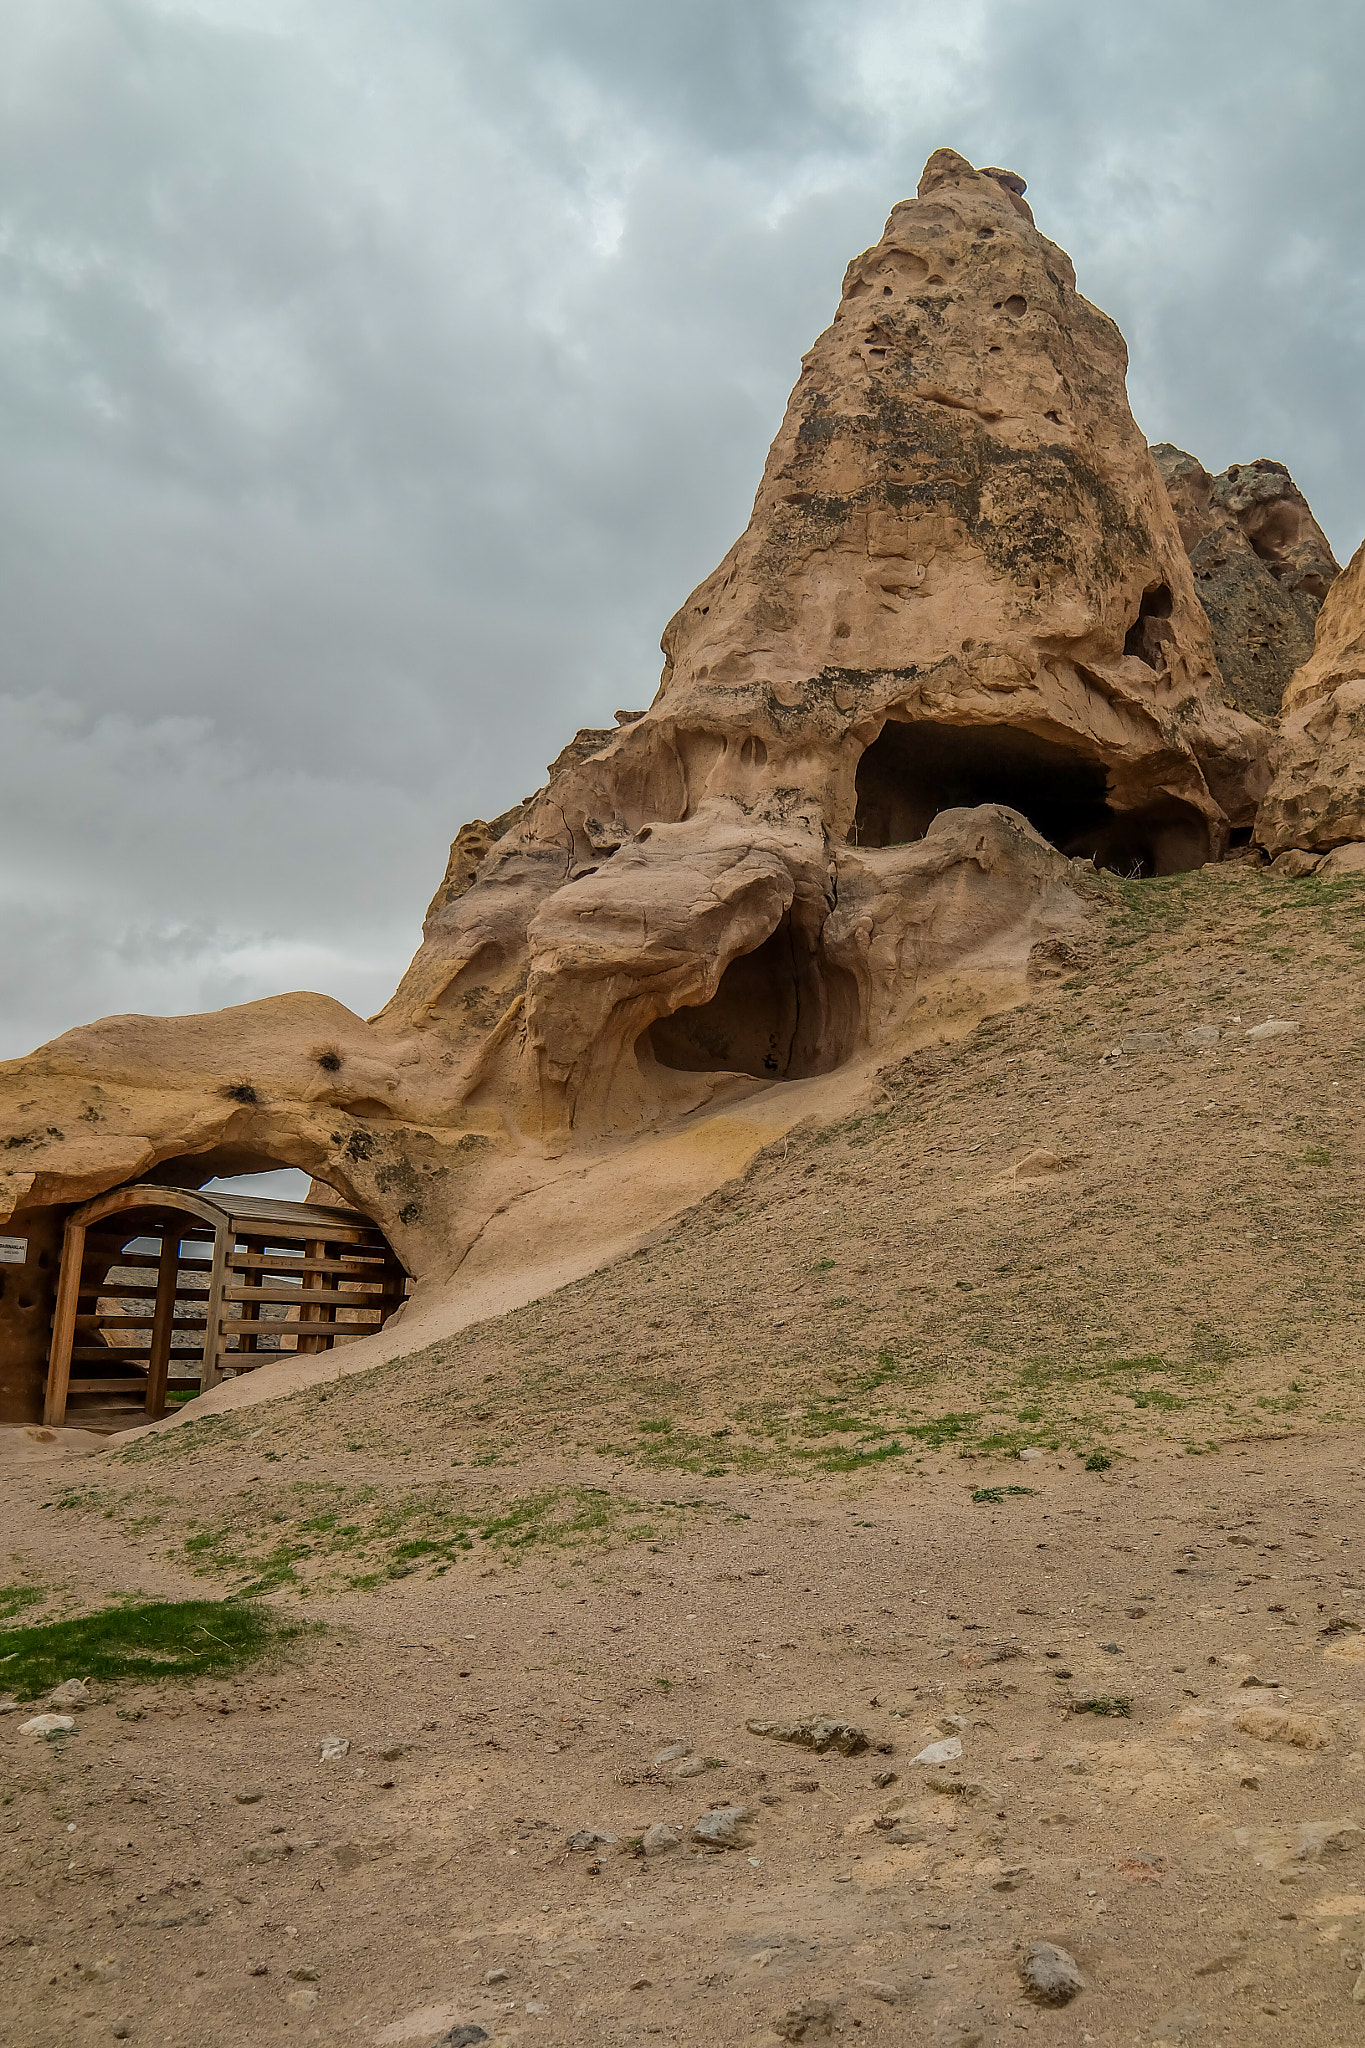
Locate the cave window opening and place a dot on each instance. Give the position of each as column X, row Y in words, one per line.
column 781, row 1013
column 915, row 769
column 1142, row 638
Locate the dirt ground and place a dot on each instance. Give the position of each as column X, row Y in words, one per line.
column 881, row 1430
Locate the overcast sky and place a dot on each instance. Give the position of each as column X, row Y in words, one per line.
column 378, row 376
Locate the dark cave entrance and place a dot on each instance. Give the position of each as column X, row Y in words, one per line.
column 914, row 770
column 781, row 1013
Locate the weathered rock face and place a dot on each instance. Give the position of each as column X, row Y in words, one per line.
column 1262, row 567
column 957, row 647
column 962, row 583
column 1317, row 800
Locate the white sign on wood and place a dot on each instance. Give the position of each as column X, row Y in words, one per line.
column 13, row 1251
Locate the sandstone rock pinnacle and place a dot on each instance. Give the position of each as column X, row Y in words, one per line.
column 956, row 651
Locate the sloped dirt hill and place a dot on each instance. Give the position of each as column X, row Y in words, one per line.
column 772, row 1464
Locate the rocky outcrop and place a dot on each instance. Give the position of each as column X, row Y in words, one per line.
column 1262, row 567
column 956, row 657
column 1317, row 800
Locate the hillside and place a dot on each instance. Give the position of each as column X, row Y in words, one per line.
column 769, row 1465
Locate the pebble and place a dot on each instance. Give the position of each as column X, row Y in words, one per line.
column 462, row 2037
column 881, row 1779
column 946, row 1752
column 812, row 2020
column 1276, row 1724
column 589, row 1838
column 9, row 1705
column 639, row 1983
column 121, row 2030
column 819, row 1732
column 1274, row 1027
column 671, row 1754
column 690, row 1767
column 73, row 1693
column 47, row 1724
column 877, row 1987
column 268, row 1852
column 1050, row 1975
column 250, row 1795
column 333, row 1746
column 495, row 1976
column 723, row 1828
column 1358, row 1990
column 657, row 1839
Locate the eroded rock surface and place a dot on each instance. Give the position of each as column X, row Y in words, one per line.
column 1317, row 800
column 1262, row 567
column 956, row 654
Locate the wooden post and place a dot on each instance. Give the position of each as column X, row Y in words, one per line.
column 64, row 1324
column 210, row 1372
column 163, row 1319
column 314, row 1248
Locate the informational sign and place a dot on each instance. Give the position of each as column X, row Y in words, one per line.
column 13, row 1251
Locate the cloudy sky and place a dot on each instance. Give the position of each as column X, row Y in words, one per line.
column 378, row 376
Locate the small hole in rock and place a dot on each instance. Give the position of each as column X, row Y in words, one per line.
column 1145, row 637
column 1016, row 305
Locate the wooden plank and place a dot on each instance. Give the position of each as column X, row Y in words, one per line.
column 106, row 1386
column 309, row 1312
column 124, row 1290
column 250, row 1295
column 273, row 1267
column 158, row 1363
column 121, row 1322
column 213, row 1343
column 64, row 1325
column 291, row 1297
column 296, row 1219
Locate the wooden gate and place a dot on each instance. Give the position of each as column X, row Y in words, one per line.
column 165, row 1291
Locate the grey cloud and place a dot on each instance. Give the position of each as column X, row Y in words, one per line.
column 376, row 382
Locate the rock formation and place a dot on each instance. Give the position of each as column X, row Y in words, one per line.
column 1262, row 567
column 1317, row 800
column 956, row 655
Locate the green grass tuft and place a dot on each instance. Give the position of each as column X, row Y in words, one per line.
column 160, row 1639
column 15, row 1598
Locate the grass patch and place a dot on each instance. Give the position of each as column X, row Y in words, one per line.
column 14, row 1599
column 992, row 1496
column 159, row 1639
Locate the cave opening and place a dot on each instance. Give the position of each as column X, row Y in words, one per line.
column 781, row 1013
column 915, row 769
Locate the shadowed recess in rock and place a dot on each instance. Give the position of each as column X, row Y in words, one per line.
column 915, row 769
column 781, row 1013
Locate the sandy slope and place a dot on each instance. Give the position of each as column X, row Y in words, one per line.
column 733, row 1475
